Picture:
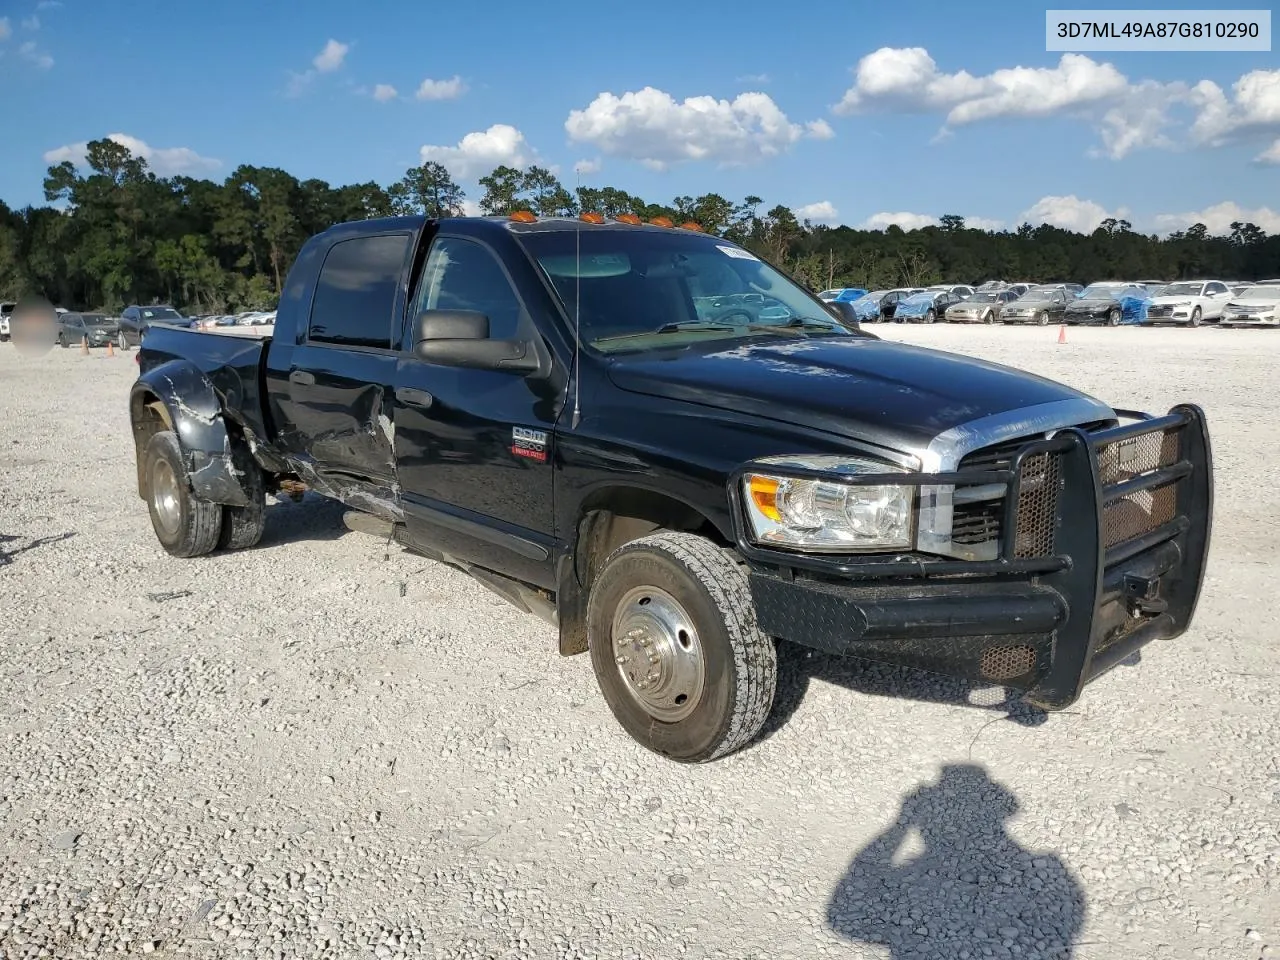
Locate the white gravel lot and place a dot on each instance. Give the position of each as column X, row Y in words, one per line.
column 315, row 749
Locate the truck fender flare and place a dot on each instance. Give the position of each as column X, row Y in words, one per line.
column 183, row 399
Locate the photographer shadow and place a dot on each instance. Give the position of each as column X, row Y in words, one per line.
column 947, row 881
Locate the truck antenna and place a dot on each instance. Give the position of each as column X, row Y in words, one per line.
column 577, row 310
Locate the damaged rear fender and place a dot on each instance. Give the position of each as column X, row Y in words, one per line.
column 177, row 396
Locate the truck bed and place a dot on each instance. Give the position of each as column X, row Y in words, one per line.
column 232, row 363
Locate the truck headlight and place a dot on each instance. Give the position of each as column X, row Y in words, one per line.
column 827, row 514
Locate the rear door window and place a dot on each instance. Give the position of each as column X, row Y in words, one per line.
column 355, row 295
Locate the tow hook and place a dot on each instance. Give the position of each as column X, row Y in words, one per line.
column 1143, row 595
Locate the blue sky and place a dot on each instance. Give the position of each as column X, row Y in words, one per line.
column 855, row 112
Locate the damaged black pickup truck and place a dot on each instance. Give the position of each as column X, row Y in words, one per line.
column 665, row 447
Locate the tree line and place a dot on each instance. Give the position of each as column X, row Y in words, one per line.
column 115, row 233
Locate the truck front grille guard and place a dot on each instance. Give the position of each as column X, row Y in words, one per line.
column 1133, row 486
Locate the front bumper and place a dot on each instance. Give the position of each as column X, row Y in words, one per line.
column 1249, row 320
column 1115, row 563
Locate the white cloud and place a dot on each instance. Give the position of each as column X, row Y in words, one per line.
column 907, row 221
column 383, row 92
column 1270, row 155
column 1071, row 213
column 1127, row 115
column 983, row 223
column 31, row 23
column 6, row 31
column 1253, row 107
column 1219, row 217
column 331, row 57
column 163, row 161
column 479, row 152
column 471, row 208
column 823, row 211
column 32, row 54
column 588, row 167
column 449, row 89
column 819, row 130
column 649, row 125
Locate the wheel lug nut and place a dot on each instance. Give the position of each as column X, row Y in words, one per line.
column 621, row 660
column 654, row 658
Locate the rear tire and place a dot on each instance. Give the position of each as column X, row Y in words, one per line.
column 121, row 341
column 676, row 648
column 185, row 526
column 242, row 526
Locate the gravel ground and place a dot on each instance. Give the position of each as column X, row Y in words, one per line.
column 318, row 748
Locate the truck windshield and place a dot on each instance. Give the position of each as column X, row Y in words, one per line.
column 641, row 289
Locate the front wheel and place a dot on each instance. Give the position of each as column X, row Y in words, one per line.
column 676, row 648
column 1113, row 318
column 930, row 316
column 62, row 341
column 121, row 342
column 1195, row 317
column 185, row 526
column 1042, row 318
column 991, row 316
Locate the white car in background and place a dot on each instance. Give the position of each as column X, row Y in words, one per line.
column 1255, row 306
column 1188, row 301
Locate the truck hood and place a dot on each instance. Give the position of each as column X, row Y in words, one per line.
column 890, row 394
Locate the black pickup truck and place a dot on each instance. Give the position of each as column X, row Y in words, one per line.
column 550, row 406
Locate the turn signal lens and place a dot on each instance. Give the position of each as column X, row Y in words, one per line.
column 690, row 225
column 662, row 222
column 630, row 218
column 764, row 494
column 523, row 216
column 592, row 217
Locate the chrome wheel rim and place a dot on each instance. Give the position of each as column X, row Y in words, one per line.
column 658, row 654
column 164, row 497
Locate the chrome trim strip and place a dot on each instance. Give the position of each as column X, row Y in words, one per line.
column 947, row 449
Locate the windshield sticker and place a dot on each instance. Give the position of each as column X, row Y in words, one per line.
column 737, row 252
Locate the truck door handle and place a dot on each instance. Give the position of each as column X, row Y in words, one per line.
column 414, row 397
column 302, row 377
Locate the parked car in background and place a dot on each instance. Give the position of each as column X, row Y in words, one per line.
column 1111, row 303
column 843, row 294
column 1039, row 305
column 889, row 303
column 960, row 289
column 867, row 307
column 6, row 311
column 1189, row 302
column 135, row 320
column 982, row 307
column 1255, row 306
column 96, row 328
column 925, row 307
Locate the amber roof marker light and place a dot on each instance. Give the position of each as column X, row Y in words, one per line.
column 630, row 218
column 592, row 217
column 690, row 225
column 662, row 222
column 524, row 216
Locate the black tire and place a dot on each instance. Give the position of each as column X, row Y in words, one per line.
column 990, row 317
column 930, row 316
column 121, row 341
column 242, row 526
column 1113, row 318
column 195, row 524
column 1195, row 317
column 1042, row 318
column 62, row 341
column 739, row 663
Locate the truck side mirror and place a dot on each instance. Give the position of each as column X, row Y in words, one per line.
column 460, row 338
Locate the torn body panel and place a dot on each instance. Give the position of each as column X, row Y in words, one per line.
column 177, row 396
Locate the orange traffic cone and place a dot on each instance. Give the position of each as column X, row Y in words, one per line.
column 111, row 350
column 1062, row 333
column 84, row 344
